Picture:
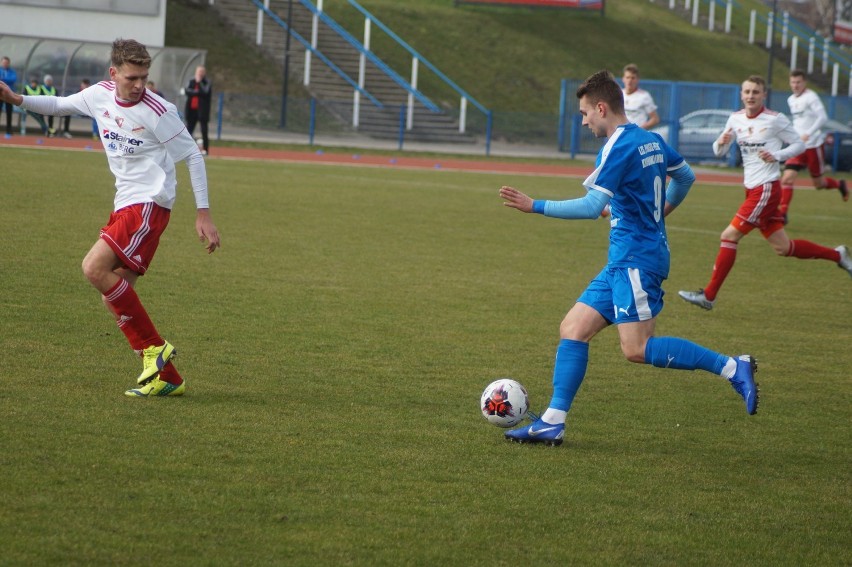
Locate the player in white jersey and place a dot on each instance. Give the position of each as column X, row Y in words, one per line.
column 143, row 137
column 809, row 117
column 638, row 103
column 630, row 173
column 761, row 134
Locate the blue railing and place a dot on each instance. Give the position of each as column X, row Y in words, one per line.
column 419, row 57
column 805, row 34
column 316, row 52
column 825, row 51
column 795, row 28
column 394, row 76
column 365, row 52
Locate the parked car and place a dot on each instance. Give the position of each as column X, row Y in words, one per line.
column 842, row 134
column 699, row 129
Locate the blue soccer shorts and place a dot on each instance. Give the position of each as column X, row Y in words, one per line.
column 625, row 295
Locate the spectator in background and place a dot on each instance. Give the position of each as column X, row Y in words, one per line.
column 34, row 89
column 809, row 116
column 152, row 86
column 9, row 77
column 198, row 95
column 66, row 128
column 47, row 88
column 638, row 103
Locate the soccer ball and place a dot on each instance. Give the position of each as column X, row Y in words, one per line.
column 504, row 402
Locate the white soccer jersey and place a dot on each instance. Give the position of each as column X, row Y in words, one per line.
column 142, row 140
column 809, row 116
column 638, row 106
column 769, row 131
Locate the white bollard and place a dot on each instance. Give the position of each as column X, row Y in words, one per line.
column 409, row 119
column 728, row 12
column 811, row 51
column 835, row 79
column 770, row 28
column 711, row 16
column 752, row 23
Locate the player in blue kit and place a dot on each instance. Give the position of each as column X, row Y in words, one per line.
column 630, row 174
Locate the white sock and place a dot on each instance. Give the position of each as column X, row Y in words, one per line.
column 730, row 369
column 554, row 416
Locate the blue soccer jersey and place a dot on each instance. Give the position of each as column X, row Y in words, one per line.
column 631, row 168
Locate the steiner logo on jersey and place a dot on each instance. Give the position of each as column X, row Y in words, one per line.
column 120, row 142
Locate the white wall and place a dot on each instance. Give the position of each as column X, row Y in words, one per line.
column 83, row 24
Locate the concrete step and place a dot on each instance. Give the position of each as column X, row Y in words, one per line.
column 325, row 84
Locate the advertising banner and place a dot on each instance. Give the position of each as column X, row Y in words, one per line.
column 575, row 4
column 843, row 22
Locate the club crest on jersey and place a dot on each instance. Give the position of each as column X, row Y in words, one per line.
column 119, row 120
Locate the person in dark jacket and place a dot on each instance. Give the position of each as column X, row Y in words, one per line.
column 198, row 95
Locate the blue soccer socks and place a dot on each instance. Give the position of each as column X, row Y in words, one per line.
column 572, row 357
column 674, row 352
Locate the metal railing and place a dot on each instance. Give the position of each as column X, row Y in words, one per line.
column 264, row 8
column 416, row 60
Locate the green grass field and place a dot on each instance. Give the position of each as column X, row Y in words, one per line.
column 335, row 350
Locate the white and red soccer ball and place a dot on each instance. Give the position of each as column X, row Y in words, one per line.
column 504, row 402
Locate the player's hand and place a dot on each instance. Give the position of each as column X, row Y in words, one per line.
column 726, row 137
column 7, row 95
column 206, row 230
column 766, row 156
column 516, row 199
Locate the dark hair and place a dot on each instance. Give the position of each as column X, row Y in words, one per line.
column 129, row 51
column 798, row 73
column 601, row 87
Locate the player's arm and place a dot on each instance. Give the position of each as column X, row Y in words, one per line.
column 722, row 144
column 10, row 96
column 821, row 117
column 588, row 207
column 207, row 231
column 171, row 132
column 789, row 136
column 653, row 120
column 54, row 105
column 682, row 178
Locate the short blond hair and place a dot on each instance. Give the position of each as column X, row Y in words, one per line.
column 129, row 51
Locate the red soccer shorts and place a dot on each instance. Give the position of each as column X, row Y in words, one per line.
column 812, row 159
column 133, row 233
column 760, row 210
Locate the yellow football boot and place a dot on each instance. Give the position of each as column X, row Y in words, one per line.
column 156, row 387
column 154, row 359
